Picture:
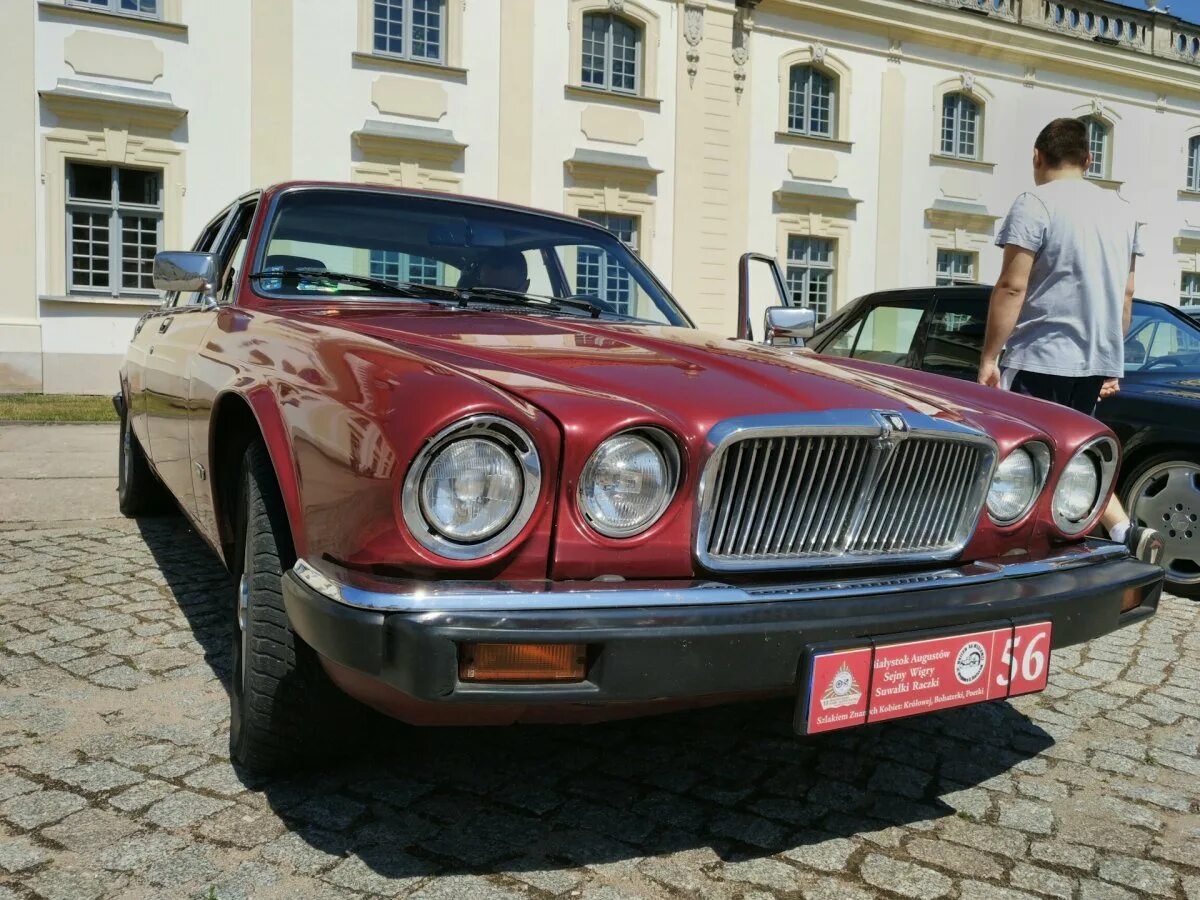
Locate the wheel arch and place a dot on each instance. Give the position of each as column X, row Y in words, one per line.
column 238, row 419
column 1135, row 456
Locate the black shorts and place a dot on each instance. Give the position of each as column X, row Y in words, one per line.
column 1081, row 393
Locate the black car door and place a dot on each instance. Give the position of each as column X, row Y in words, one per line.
column 954, row 336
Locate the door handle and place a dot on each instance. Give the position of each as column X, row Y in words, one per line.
column 165, row 324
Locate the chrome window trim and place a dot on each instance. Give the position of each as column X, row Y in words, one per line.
column 1108, row 474
column 377, row 594
column 841, row 423
column 511, row 437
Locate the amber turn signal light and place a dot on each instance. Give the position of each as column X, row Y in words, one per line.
column 522, row 662
column 1131, row 599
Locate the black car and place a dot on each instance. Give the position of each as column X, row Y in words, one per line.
column 1156, row 415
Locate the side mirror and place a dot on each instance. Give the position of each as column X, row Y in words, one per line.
column 185, row 272
column 788, row 324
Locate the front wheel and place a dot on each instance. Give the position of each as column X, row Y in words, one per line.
column 282, row 701
column 1163, row 493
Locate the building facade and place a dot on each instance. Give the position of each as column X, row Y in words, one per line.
column 867, row 143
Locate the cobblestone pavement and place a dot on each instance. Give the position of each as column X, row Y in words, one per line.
column 114, row 779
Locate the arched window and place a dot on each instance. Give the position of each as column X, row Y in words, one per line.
column 812, row 102
column 612, row 54
column 962, row 121
column 1193, row 169
column 1100, row 143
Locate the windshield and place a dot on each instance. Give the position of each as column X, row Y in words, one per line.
column 436, row 242
column 1160, row 340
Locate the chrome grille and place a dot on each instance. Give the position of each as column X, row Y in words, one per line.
column 795, row 499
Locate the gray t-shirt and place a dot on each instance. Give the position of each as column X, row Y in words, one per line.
column 1072, row 320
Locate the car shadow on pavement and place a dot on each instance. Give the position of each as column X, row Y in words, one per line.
column 732, row 781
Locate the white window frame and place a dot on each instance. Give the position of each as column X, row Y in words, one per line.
column 804, row 96
column 608, row 58
column 1101, row 167
column 801, row 269
column 1193, row 166
column 949, row 272
column 117, row 209
column 407, row 11
column 378, row 261
column 115, row 7
column 956, row 118
column 1189, row 289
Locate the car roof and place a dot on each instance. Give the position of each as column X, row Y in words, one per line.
column 956, row 291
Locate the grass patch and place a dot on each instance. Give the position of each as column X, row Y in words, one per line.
column 56, row 408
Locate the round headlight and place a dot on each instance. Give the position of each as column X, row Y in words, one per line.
column 628, row 482
column 472, row 488
column 1014, row 487
column 1078, row 490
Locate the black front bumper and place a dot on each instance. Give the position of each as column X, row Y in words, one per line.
column 687, row 650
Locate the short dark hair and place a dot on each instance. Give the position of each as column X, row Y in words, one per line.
column 1064, row 142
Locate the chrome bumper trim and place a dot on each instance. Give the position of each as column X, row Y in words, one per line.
column 377, row 594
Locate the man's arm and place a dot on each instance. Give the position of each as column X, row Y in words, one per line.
column 1113, row 385
column 1008, row 296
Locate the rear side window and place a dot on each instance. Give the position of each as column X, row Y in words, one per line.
column 954, row 340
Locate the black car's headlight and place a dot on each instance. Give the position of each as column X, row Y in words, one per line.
column 1083, row 485
column 629, row 481
column 1018, row 481
column 472, row 487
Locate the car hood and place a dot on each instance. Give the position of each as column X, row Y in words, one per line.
column 576, row 367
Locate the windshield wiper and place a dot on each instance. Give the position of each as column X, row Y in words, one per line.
column 520, row 298
column 403, row 289
column 462, row 295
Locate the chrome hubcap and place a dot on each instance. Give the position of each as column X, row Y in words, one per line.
column 1167, row 499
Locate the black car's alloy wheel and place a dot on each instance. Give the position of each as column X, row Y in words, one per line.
column 281, row 699
column 1164, row 494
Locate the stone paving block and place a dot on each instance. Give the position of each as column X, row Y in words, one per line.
column 1145, row 877
column 18, row 853
column 71, row 884
column 89, row 830
column 401, row 873
column 142, row 795
column 962, row 860
column 904, row 878
column 1042, row 881
column 40, row 807
column 183, row 808
column 96, row 777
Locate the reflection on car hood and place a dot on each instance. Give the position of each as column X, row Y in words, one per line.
column 1179, row 384
column 690, row 377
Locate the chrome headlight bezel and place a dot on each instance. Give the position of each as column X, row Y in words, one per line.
column 1039, row 455
column 668, row 451
column 512, row 438
column 1104, row 453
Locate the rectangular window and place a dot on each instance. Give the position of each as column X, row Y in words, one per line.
column 810, row 273
column 114, row 228
column 148, row 8
column 960, row 126
column 400, row 268
column 1189, row 289
column 611, row 54
column 811, row 99
column 412, row 29
column 599, row 275
column 1098, row 139
column 955, row 267
column 1193, row 169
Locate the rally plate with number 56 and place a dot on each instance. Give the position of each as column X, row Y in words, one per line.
column 890, row 679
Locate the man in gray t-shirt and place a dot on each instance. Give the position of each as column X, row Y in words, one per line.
column 1062, row 304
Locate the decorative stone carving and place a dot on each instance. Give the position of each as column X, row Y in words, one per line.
column 1097, row 107
column 693, row 33
column 743, row 24
column 895, row 50
column 1030, row 76
column 968, row 81
column 616, row 5
column 819, row 51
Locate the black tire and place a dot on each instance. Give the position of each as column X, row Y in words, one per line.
column 138, row 489
column 282, row 701
column 1179, row 527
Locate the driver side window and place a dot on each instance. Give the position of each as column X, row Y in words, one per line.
column 884, row 335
